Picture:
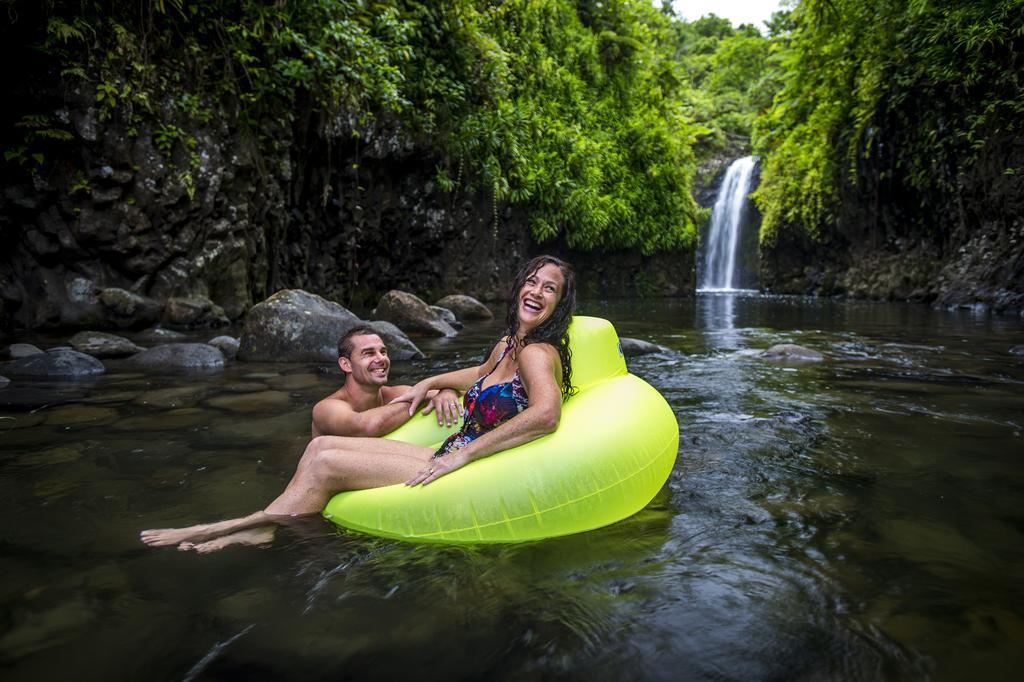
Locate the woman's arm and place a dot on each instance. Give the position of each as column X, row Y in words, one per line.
column 460, row 380
column 539, row 367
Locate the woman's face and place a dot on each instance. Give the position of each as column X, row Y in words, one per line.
column 539, row 296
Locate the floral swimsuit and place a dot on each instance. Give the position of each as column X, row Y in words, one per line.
column 487, row 409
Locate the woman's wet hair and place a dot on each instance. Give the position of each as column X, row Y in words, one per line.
column 555, row 329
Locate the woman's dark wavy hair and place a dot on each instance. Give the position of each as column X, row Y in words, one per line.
column 555, row 329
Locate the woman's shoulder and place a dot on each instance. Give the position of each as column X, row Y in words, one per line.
column 539, row 351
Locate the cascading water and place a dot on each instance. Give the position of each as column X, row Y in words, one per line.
column 724, row 235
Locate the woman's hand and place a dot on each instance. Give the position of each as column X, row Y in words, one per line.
column 446, row 404
column 414, row 396
column 445, row 464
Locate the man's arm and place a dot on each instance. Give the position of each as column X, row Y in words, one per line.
column 335, row 417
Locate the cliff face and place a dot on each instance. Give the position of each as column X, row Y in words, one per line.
column 893, row 243
column 348, row 217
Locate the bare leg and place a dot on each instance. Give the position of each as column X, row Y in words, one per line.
column 325, row 468
column 253, row 536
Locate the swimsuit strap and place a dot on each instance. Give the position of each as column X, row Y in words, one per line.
column 501, row 356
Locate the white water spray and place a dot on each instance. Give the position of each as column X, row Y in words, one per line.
column 724, row 234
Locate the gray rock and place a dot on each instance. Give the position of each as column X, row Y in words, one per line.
column 103, row 345
column 465, row 307
column 447, row 315
column 1017, row 350
column 4, row 381
column 125, row 309
column 62, row 363
column 791, row 351
column 634, row 347
column 22, row 350
column 228, row 345
column 294, row 326
column 411, row 314
column 193, row 312
column 180, row 356
column 399, row 345
column 158, row 334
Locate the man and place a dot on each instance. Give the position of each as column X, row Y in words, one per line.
column 360, row 407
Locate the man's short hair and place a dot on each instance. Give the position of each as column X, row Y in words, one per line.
column 345, row 342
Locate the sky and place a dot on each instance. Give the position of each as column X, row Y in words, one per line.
column 737, row 11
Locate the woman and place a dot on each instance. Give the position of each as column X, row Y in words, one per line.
column 514, row 397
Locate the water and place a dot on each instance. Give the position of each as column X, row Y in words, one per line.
column 856, row 519
column 721, row 249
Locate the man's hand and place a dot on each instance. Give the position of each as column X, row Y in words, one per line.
column 445, row 403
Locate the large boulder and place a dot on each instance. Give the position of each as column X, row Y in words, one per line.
column 175, row 356
column 411, row 314
column 399, row 345
column 294, row 326
column 103, row 345
column 193, row 312
column 790, row 352
column 59, row 363
column 465, row 307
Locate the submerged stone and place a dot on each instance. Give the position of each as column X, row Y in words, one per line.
column 67, row 415
column 292, row 382
column 179, row 396
column 264, row 401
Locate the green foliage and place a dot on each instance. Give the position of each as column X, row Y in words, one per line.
column 904, row 95
column 585, row 112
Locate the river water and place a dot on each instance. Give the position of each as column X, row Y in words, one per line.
column 860, row 518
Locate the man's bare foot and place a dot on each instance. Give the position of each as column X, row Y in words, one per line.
column 252, row 536
column 164, row 537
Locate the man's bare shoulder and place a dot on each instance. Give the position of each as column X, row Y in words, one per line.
column 389, row 393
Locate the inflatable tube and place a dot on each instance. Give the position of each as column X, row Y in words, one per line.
column 614, row 448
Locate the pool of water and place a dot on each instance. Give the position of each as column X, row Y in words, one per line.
column 860, row 518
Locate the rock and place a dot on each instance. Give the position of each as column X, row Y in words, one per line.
column 791, row 351
column 465, row 307
column 176, row 396
column 294, row 326
column 180, row 356
column 193, row 312
column 103, row 345
column 67, row 415
column 263, row 401
column 158, row 334
column 22, row 350
column 1017, row 350
column 62, row 364
column 125, row 309
column 411, row 314
column 634, row 347
column 400, row 347
column 4, row 381
column 293, row 382
column 447, row 315
column 228, row 345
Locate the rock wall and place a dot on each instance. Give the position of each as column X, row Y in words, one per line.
column 348, row 217
column 963, row 248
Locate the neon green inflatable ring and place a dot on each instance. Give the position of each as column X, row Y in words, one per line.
column 613, row 450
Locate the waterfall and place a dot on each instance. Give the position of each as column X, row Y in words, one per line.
column 726, row 223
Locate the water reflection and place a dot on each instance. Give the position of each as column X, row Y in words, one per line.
column 856, row 519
